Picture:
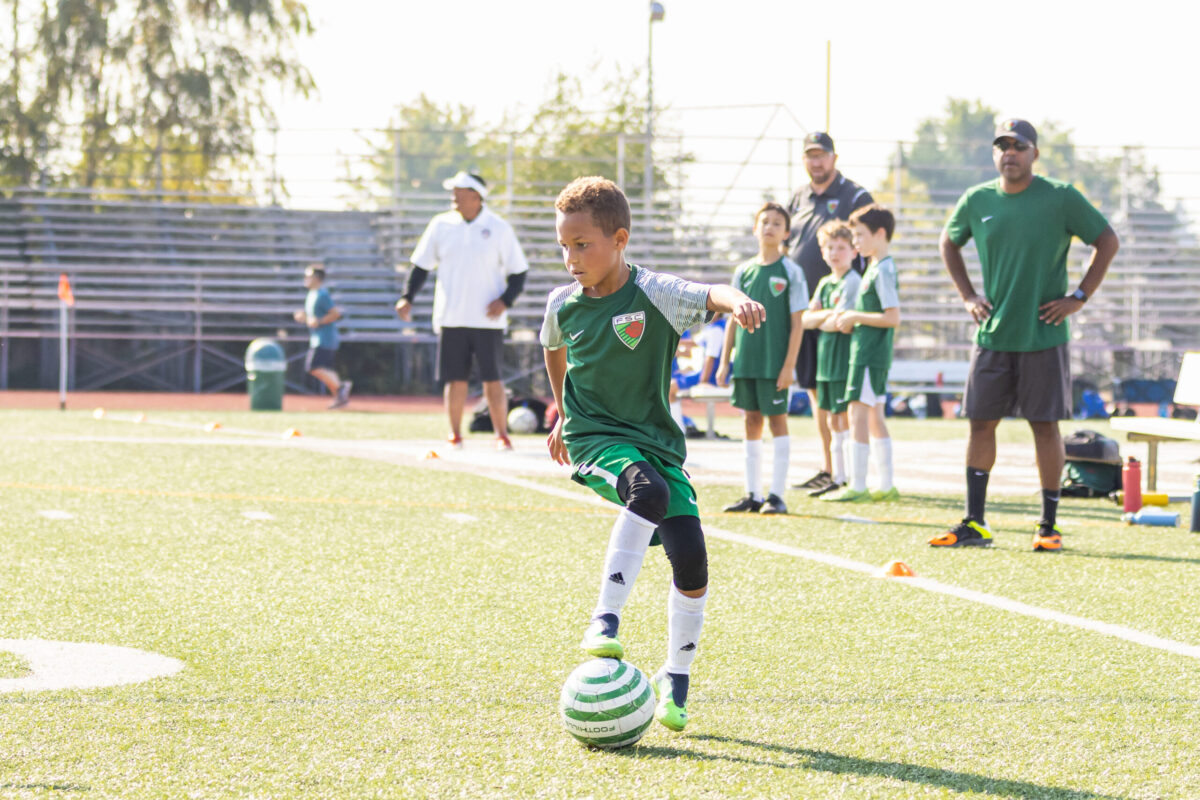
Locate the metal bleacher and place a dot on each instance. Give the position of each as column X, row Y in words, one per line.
column 170, row 288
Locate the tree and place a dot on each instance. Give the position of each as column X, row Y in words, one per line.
column 101, row 91
column 549, row 147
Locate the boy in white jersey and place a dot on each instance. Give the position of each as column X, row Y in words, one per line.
column 872, row 324
column 609, row 338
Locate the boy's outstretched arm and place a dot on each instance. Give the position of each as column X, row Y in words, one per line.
column 746, row 312
column 556, row 369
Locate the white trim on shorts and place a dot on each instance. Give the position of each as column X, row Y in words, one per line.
column 867, row 395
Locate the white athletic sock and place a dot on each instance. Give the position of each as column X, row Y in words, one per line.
column 839, row 456
column 677, row 414
column 862, row 458
column 626, row 547
column 783, row 454
column 754, row 468
column 685, row 618
column 883, row 462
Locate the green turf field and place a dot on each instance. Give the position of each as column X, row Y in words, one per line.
column 401, row 629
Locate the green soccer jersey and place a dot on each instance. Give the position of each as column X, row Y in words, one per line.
column 781, row 288
column 880, row 289
column 833, row 347
column 619, row 351
column 1022, row 241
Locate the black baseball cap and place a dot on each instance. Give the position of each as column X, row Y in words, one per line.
column 1017, row 129
column 818, row 139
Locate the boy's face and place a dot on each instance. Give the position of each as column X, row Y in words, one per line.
column 866, row 242
column 589, row 255
column 838, row 254
column 311, row 281
column 770, row 227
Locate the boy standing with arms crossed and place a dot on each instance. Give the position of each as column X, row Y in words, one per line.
column 872, row 324
column 765, row 357
column 609, row 338
column 836, row 292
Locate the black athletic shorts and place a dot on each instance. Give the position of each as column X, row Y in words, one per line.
column 1035, row 386
column 458, row 346
column 806, row 361
column 320, row 358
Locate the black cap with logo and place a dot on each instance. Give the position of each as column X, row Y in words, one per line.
column 1017, row 129
column 818, row 139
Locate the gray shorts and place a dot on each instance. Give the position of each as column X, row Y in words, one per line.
column 1035, row 386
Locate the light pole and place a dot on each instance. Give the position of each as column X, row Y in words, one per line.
column 656, row 14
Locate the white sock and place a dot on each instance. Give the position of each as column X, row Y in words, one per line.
column 626, row 547
column 677, row 414
column 883, row 462
column 783, row 455
column 839, row 456
column 754, row 468
column 685, row 618
column 862, row 458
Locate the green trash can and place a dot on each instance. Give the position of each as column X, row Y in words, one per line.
column 266, row 366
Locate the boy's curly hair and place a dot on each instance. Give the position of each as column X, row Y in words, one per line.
column 835, row 229
column 603, row 198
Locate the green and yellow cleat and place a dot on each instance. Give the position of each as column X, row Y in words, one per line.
column 847, row 495
column 890, row 496
column 600, row 639
column 671, row 716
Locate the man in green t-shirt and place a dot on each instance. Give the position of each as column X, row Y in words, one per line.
column 1022, row 225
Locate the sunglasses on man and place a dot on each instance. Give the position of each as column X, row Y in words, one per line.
column 1004, row 145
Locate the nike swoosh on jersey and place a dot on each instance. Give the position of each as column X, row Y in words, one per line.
column 575, row 335
column 985, row 219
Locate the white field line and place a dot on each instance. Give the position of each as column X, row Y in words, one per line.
column 72, row 665
column 54, row 513
column 929, row 585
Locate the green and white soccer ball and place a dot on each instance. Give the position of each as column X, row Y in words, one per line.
column 607, row 703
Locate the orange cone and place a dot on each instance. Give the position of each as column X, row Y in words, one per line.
column 291, row 433
column 212, row 426
column 898, row 569
column 432, row 454
column 139, row 417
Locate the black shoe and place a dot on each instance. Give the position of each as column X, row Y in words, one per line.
column 773, row 505
column 818, row 481
column 832, row 487
column 747, row 503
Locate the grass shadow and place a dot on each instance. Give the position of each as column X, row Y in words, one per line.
column 783, row 757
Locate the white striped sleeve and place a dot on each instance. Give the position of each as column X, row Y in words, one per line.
column 683, row 303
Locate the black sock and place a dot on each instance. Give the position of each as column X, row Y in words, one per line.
column 977, row 481
column 1050, row 506
column 609, row 623
column 679, row 688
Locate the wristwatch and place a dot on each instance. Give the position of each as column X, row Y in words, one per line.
column 1079, row 295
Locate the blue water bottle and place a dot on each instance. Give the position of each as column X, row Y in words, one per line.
column 1196, row 506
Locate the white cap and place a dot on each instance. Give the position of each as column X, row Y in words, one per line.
column 465, row 180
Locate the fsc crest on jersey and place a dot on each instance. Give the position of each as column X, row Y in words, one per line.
column 630, row 327
column 777, row 286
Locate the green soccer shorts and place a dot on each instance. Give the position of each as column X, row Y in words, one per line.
column 866, row 385
column 759, row 394
column 831, row 396
column 600, row 475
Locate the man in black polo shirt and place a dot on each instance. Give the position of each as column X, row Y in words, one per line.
column 830, row 196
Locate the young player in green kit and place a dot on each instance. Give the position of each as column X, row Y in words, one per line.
column 872, row 324
column 609, row 338
column 835, row 293
column 766, row 357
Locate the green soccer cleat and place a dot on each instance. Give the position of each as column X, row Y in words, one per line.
column 671, row 716
column 600, row 639
column 889, row 496
column 847, row 495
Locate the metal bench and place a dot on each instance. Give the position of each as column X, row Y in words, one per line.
column 1153, row 430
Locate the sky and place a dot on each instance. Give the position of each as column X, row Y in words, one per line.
column 1114, row 74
